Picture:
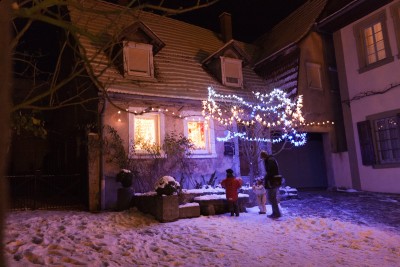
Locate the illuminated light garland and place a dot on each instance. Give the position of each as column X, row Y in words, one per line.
column 167, row 112
column 272, row 110
column 159, row 110
column 275, row 109
column 323, row 123
column 299, row 139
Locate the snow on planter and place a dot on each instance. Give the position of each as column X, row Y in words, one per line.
column 167, row 185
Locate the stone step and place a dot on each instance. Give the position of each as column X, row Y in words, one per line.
column 189, row 210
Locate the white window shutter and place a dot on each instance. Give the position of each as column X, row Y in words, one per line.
column 138, row 59
column 231, row 72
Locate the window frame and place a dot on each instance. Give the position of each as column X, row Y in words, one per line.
column 210, row 151
column 360, row 38
column 385, row 141
column 160, row 134
column 395, row 10
column 316, row 67
column 128, row 45
column 234, row 61
column 369, row 139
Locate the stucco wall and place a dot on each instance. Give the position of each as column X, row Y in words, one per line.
column 205, row 166
column 321, row 106
column 318, row 104
column 341, row 170
column 378, row 79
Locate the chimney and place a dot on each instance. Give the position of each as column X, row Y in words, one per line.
column 225, row 23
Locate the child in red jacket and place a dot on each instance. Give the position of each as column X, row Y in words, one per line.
column 231, row 185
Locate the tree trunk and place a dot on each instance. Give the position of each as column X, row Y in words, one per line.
column 5, row 89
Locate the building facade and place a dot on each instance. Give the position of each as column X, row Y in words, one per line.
column 367, row 54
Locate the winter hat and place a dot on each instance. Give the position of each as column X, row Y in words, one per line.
column 264, row 154
column 229, row 172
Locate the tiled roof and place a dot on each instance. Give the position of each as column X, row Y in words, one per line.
column 290, row 30
column 283, row 72
column 178, row 69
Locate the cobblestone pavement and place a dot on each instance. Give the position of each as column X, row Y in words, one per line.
column 364, row 208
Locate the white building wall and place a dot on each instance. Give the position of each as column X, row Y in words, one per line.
column 378, row 79
column 341, row 170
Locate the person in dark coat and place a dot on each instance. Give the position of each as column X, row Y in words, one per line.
column 272, row 183
column 231, row 185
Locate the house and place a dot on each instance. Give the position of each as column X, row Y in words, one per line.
column 298, row 59
column 153, row 73
column 366, row 37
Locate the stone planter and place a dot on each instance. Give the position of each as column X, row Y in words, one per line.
column 163, row 208
column 167, row 208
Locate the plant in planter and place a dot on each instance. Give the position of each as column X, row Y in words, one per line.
column 125, row 178
column 167, row 185
column 124, row 194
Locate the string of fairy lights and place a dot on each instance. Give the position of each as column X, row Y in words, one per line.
column 275, row 111
column 175, row 114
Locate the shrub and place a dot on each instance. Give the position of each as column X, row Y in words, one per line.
column 167, row 185
column 125, row 177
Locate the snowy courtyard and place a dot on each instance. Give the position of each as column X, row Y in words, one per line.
column 129, row 238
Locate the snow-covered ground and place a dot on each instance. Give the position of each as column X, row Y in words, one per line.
column 130, row 238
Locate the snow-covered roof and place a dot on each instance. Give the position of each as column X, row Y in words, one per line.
column 178, row 65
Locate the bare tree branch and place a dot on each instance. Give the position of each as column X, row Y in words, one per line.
column 168, row 11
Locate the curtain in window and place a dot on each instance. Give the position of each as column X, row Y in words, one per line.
column 374, row 42
column 196, row 133
column 145, row 131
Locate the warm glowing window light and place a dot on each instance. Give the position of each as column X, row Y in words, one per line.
column 145, row 130
column 196, row 133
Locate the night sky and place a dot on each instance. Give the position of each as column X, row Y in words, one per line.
column 250, row 18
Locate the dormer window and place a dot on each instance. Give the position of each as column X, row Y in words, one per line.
column 138, row 59
column 231, row 69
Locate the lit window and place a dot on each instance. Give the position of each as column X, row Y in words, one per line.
column 197, row 134
column 314, row 76
column 145, row 131
column 201, row 133
column 138, row 59
column 372, row 42
column 231, row 72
